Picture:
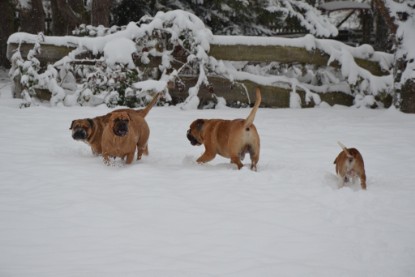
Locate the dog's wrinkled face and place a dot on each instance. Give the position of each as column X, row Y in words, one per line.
column 119, row 123
column 82, row 128
column 194, row 134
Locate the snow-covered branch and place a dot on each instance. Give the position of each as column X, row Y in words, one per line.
column 136, row 54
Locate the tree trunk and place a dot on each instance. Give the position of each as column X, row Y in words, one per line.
column 407, row 105
column 404, row 81
column 7, row 12
column 380, row 7
column 33, row 20
column 66, row 16
column 100, row 13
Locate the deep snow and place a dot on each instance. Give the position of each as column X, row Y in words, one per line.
column 64, row 213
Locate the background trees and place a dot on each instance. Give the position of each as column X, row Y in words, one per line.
column 7, row 23
column 230, row 17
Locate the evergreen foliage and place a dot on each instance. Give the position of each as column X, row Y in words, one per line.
column 231, row 17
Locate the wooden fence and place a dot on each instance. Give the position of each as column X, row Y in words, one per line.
column 240, row 91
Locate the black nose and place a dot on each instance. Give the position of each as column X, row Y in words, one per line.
column 121, row 129
column 79, row 134
column 191, row 138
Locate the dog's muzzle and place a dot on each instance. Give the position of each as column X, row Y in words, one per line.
column 79, row 134
column 192, row 139
column 121, row 128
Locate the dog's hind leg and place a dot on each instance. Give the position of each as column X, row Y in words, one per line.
column 362, row 180
column 254, row 158
column 237, row 161
column 254, row 161
column 341, row 181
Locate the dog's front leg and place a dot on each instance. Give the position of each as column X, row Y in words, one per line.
column 206, row 157
column 106, row 158
column 130, row 157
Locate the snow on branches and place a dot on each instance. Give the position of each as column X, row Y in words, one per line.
column 123, row 62
column 309, row 17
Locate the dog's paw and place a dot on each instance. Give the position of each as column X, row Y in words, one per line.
column 109, row 162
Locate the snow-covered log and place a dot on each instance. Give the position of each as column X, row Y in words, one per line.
column 275, row 95
column 176, row 44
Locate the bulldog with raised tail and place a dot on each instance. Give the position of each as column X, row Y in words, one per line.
column 228, row 138
column 350, row 165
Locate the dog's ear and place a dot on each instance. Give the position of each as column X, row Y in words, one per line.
column 91, row 122
column 73, row 122
column 199, row 124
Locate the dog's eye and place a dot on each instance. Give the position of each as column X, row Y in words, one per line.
column 121, row 120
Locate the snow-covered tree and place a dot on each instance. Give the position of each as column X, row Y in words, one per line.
column 237, row 17
column 153, row 43
column 400, row 19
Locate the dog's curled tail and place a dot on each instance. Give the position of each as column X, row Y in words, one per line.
column 151, row 104
column 250, row 119
column 344, row 148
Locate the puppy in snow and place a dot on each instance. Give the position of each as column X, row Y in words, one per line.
column 228, row 138
column 349, row 166
column 123, row 133
column 89, row 130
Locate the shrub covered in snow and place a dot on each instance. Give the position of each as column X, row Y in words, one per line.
column 125, row 59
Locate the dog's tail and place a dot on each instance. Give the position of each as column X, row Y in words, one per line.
column 344, row 149
column 250, row 119
column 151, row 104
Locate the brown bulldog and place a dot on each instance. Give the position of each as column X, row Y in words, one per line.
column 349, row 166
column 89, row 130
column 123, row 133
column 228, row 138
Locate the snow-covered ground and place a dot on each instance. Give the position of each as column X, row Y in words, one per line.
column 64, row 213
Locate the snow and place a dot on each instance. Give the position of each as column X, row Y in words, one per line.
column 25, row 4
column 343, row 5
column 177, row 20
column 119, row 51
column 64, row 213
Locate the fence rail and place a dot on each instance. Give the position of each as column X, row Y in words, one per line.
column 276, row 95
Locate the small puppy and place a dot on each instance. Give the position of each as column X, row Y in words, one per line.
column 89, row 130
column 349, row 166
column 228, row 138
column 122, row 135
